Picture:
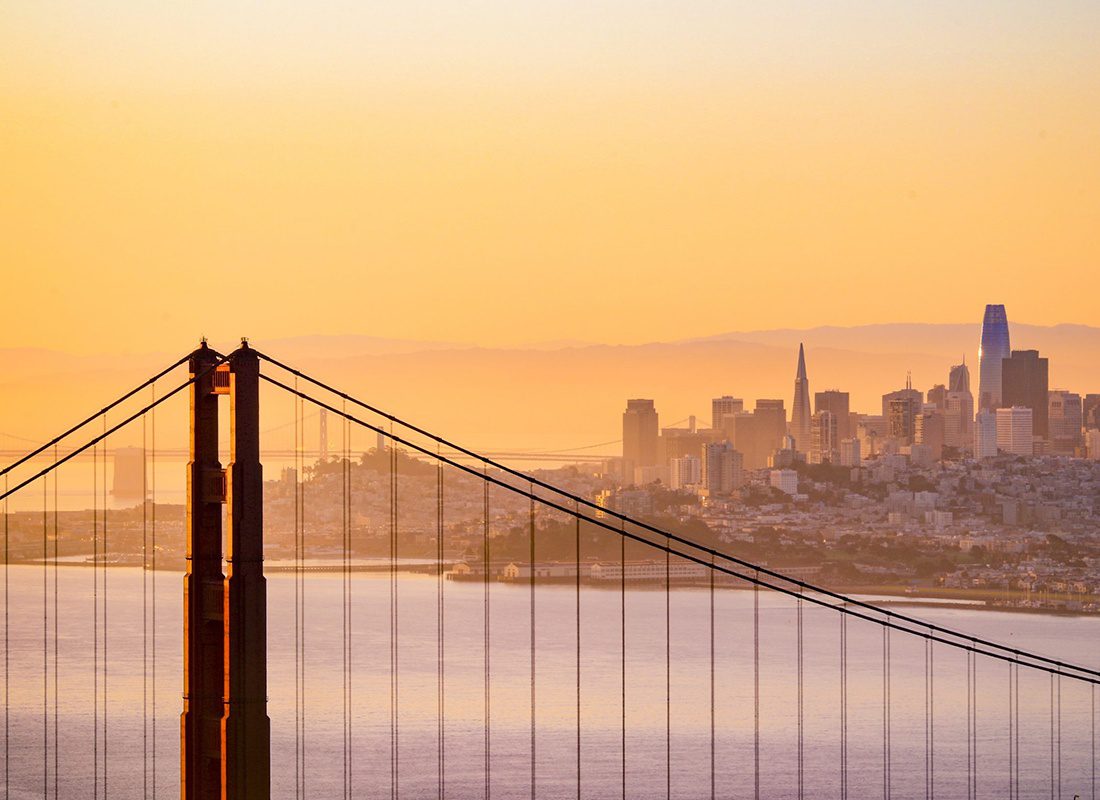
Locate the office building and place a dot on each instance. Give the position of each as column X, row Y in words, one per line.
column 823, row 438
column 993, row 350
column 958, row 421
column 685, row 472
column 677, row 442
column 1090, row 411
column 785, row 480
column 901, row 415
column 1064, row 421
column 639, row 436
column 871, row 432
column 1015, row 430
column 837, row 403
column 985, row 434
column 721, row 406
column 722, row 468
column 1092, row 443
column 929, row 430
column 959, row 378
column 937, row 396
column 772, row 419
column 850, row 453
column 1024, row 382
column 914, row 396
column 800, row 410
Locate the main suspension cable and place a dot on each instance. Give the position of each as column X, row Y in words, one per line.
column 847, row 605
column 90, row 419
column 91, row 443
column 887, row 618
column 607, row 512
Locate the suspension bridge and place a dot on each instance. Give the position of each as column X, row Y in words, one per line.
column 569, row 680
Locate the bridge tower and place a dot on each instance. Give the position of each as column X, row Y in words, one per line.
column 225, row 732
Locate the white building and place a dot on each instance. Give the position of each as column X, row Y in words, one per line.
column 785, row 480
column 685, row 472
column 985, row 434
column 1092, row 442
column 678, row 569
column 850, row 454
column 1014, row 431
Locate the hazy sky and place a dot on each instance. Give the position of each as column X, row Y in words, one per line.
column 504, row 172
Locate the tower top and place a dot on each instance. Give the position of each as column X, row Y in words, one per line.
column 801, row 374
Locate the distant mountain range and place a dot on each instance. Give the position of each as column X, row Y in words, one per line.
column 563, row 394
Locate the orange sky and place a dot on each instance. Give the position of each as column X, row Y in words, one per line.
column 504, row 173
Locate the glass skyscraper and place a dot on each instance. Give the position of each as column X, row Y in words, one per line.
column 992, row 352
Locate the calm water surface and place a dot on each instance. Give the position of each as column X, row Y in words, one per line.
column 1074, row 638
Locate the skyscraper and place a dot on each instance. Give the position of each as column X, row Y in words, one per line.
column 639, row 436
column 1064, row 421
column 824, row 444
column 1014, row 430
column 1025, row 382
column 838, row 403
column 959, row 380
column 800, row 409
column 992, row 352
column 985, row 434
column 1090, row 411
column 721, row 406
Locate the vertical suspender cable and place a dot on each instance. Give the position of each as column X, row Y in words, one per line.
column 56, row 681
column 7, row 653
column 577, row 566
column 756, row 688
column 394, row 656
column 931, row 718
column 441, row 634
column 668, row 671
column 1011, row 730
column 1052, row 795
column 886, row 713
column 974, row 724
column 297, row 600
column 348, row 576
column 344, row 590
column 1058, row 681
column 622, row 637
column 153, row 575
column 844, row 706
column 302, row 590
column 927, row 727
column 712, row 687
column 106, row 551
column 801, row 697
column 95, row 623
column 1016, row 727
column 1092, row 747
column 531, row 561
column 144, row 607
column 45, row 641
column 485, row 628
column 969, row 731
